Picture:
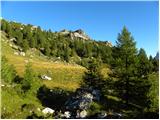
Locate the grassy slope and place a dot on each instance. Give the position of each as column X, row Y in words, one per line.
column 65, row 76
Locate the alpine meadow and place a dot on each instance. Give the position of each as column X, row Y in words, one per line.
column 66, row 74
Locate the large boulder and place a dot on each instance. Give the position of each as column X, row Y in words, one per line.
column 80, row 100
column 45, row 77
column 67, row 114
column 83, row 114
column 47, row 110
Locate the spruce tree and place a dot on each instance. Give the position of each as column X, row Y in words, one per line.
column 125, row 61
column 25, row 45
column 28, row 78
column 143, row 65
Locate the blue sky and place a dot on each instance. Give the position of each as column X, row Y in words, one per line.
column 100, row 20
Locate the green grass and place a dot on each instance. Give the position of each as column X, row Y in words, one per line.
column 65, row 76
column 11, row 104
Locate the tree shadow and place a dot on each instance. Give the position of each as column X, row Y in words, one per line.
column 53, row 98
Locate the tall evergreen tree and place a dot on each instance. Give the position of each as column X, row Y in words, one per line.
column 125, row 63
column 143, row 65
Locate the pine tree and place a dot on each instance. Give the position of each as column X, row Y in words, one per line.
column 3, row 25
column 143, row 65
column 93, row 78
column 125, row 61
column 9, row 30
column 25, row 45
column 67, row 54
column 28, row 78
column 47, row 50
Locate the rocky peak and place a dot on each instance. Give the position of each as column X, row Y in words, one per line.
column 79, row 34
column 75, row 34
column 80, row 31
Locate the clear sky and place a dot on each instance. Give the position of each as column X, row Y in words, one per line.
column 100, row 20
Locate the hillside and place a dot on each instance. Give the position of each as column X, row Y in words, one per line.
column 66, row 74
column 62, row 74
column 69, row 46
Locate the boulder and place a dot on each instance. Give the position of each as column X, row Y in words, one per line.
column 22, row 53
column 45, row 77
column 102, row 115
column 67, row 114
column 48, row 110
column 10, row 45
column 83, row 114
column 80, row 100
column 15, row 47
column 13, row 39
column 16, row 53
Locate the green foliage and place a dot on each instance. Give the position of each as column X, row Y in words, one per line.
column 153, row 94
column 131, row 78
column 92, row 77
column 54, row 44
column 131, row 86
column 154, row 64
column 94, row 108
column 8, row 73
column 143, row 65
column 25, row 45
column 28, row 78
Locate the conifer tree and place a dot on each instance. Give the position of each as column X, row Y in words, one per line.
column 143, row 65
column 125, row 64
column 28, row 78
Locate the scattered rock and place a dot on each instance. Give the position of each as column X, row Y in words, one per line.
column 10, row 45
column 20, row 49
column 67, row 114
column 81, row 100
column 102, row 115
column 48, row 110
column 83, row 114
column 16, row 53
column 22, row 53
column 13, row 39
column 117, row 115
column 15, row 47
column 45, row 77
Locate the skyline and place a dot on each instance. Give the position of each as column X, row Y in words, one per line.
column 100, row 20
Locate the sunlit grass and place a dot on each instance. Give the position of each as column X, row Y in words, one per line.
column 66, row 76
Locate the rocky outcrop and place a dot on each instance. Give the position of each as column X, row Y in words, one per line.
column 82, row 99
column 75, row 34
